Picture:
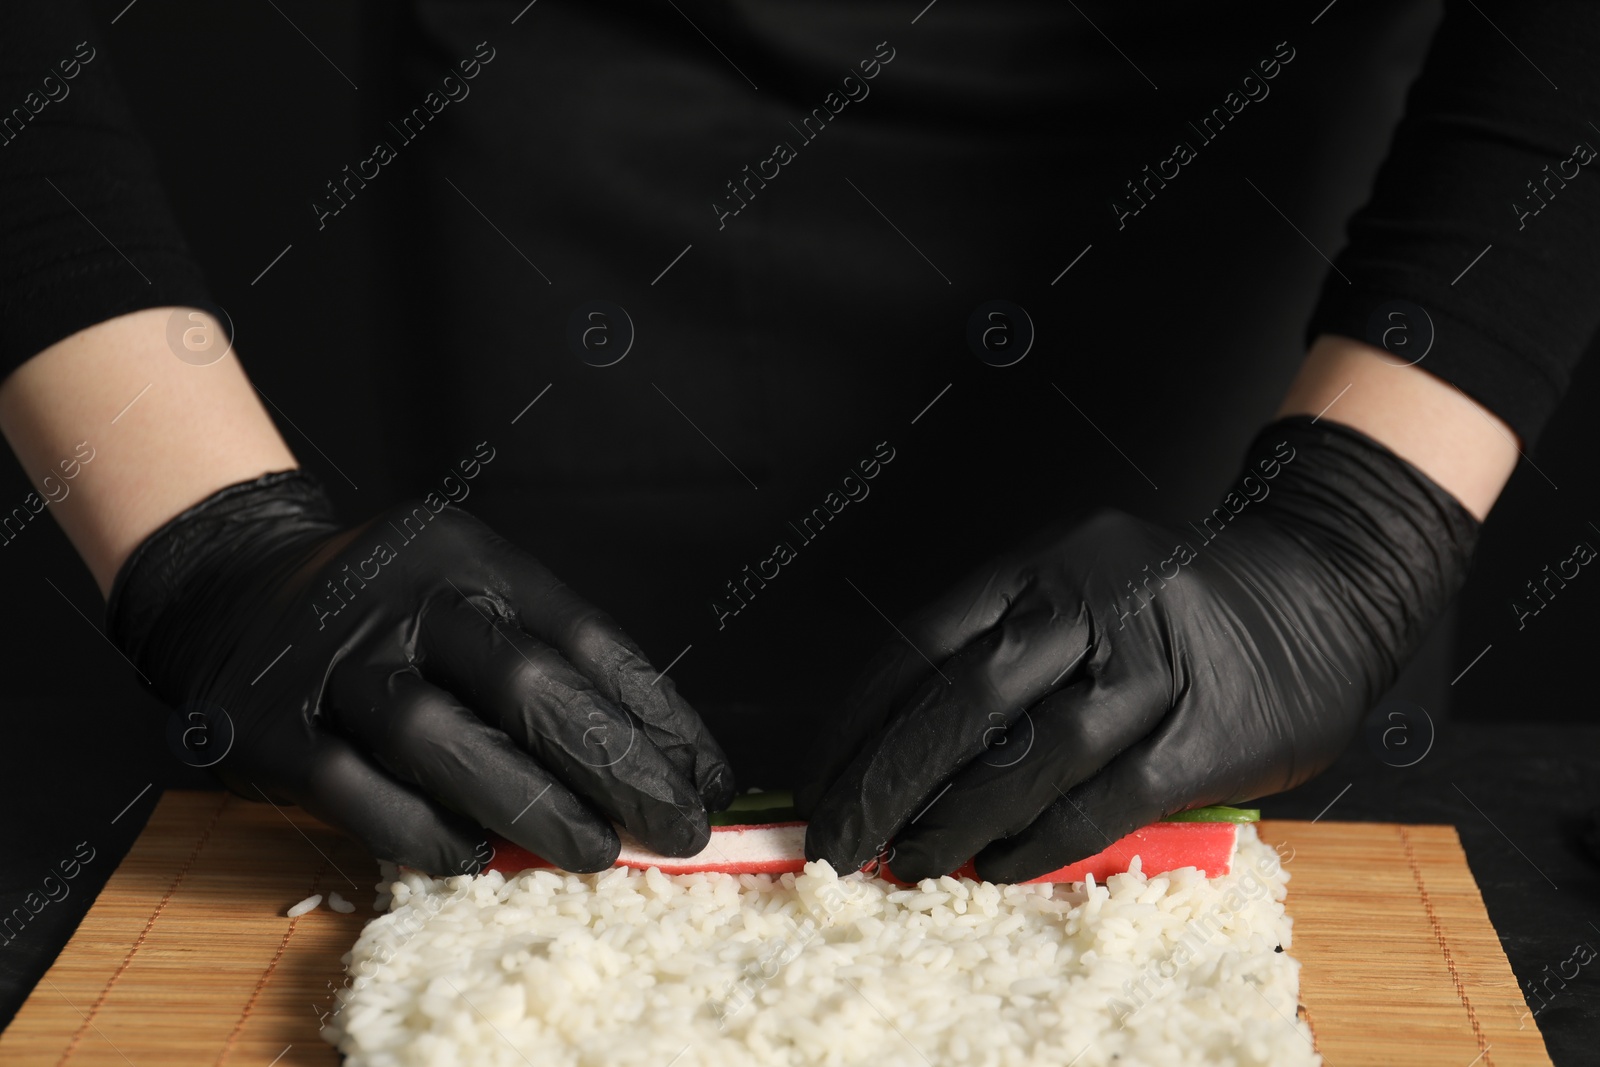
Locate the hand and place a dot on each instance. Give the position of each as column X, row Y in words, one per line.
column 1117, row 672
column 411, row 678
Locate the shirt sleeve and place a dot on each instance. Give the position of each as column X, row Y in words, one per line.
column 85, row 230
column 1478, row 249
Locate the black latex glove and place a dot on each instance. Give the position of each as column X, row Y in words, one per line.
column 1119, row 671
column 440, row 682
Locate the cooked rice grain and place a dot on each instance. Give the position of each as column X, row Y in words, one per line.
column 704, row 970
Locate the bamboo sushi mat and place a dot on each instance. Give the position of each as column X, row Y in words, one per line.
column 187, row 958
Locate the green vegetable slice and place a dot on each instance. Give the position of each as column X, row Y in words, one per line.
column 1216, row 813
column 776, row 805
column 750, row 809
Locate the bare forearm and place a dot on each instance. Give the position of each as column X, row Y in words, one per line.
column 163, row 433
column 1424, row 420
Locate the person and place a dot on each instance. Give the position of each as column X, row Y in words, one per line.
column 414, row 676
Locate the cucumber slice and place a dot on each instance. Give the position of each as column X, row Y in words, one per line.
column 754, row 809
column 1216, row 813
column 748, row 809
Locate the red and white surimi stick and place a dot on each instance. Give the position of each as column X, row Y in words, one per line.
column 777, row 848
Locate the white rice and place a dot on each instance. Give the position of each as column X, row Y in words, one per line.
column 339, row 904
column 640, row 968
column 308, row 904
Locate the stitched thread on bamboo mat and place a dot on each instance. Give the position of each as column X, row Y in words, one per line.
column 266, row 975
column 127, row 961
column 1444, row 946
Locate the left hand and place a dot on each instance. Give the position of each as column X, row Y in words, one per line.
column 419, row 676
column 1117, row 672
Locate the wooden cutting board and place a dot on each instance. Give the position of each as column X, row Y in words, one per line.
column 187, row 958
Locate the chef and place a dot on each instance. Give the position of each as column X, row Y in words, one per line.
column 1160, row 526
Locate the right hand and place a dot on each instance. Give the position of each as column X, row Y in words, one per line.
column 1143, row 670
column 426, row 686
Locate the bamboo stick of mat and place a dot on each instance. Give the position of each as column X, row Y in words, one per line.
column 187, row 957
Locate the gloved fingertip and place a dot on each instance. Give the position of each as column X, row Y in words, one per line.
column 685, row 832
column 912, row 860
column 839, row 834
column 1050, row 843
column 568, row 835
column 1004, row 865
column 839, row 854
column 719, row 787
column 913, row 869
column 449, row 850
column 816, row 847
column 595, row 855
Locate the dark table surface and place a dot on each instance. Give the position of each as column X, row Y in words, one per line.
column 1521, row 797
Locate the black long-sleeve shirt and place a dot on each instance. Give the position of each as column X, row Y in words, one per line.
column 85, row 230
column 1484, row 216
column 1486, row 213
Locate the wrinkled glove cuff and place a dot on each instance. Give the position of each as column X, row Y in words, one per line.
column 1393, row 541
column 165, row 586
column 1357, row 477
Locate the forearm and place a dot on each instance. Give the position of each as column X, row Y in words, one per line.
column 1461, row 445
column 163, row 433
